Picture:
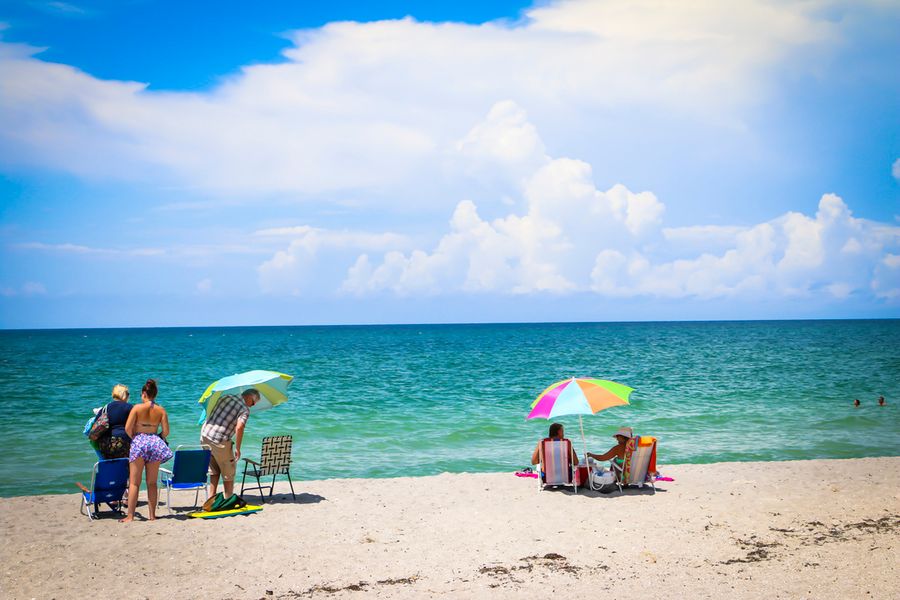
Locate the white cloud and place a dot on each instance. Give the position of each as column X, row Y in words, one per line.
column 895, row 169
column 505, row 140
column 697, row 239
column 475, row 256
column 852, row 246
column 546, row 249
column 194, row 253
column 297, row 230
column 303, row 266
column 804, row 243
column 61, row 8
column 391, row 115
column 743, row 269
column 886, row 283
column 840, row 290
column 703, row 234
column 791, row 255
column 67, row 248
column 29, row 288
column 333, row 117
column 204, row 286
column 572, row 237
column 33, row 288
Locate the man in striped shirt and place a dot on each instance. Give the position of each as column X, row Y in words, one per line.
column 226, row 421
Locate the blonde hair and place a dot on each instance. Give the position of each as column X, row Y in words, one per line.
column 120, row 392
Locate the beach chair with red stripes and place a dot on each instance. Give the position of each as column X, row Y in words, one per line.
column 557, row 467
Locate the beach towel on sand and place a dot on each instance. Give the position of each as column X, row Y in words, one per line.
column 527, row 472
column 245, row 510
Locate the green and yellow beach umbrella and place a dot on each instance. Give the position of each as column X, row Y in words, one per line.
column 271, row 385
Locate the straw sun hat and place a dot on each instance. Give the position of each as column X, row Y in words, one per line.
column 625, row 432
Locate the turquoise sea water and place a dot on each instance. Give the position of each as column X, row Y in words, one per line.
column 382, row 401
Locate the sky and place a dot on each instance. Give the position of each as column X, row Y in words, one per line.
column 290, row 163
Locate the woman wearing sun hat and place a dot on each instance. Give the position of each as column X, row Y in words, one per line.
column 617, row 452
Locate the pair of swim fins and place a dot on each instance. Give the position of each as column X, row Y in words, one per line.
column 220, row 506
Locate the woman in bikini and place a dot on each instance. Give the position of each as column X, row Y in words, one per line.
column 616, row 453
column 148, row 447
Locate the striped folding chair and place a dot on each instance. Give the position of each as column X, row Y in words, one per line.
column 639, row 465
column 556, row 463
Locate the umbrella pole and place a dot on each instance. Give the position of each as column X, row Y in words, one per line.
column 583, row 443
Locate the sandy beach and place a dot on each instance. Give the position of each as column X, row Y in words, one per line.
column 817, row 529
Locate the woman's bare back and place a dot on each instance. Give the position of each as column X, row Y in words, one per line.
column 148, row 418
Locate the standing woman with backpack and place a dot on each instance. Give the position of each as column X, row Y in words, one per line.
column 148, row 447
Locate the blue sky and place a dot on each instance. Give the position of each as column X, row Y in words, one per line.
column 170, row 163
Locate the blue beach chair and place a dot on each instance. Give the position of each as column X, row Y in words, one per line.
column 109, row 482
column 190, row 471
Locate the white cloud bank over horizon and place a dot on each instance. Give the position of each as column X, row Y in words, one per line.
column 392, row 113
column 572, row 237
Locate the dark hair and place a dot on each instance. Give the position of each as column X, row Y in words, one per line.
column 555, row 429
column 150, row 389
column 251, row 392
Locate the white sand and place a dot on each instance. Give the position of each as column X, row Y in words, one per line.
column 816, row 529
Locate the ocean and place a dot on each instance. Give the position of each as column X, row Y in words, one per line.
column 386, row 401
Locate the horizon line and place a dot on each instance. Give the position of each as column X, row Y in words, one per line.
column 446, row 324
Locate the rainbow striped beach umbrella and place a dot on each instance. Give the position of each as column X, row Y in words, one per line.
column 579, row 396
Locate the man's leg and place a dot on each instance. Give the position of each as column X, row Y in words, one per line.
column 228, row 468
column 215, row 460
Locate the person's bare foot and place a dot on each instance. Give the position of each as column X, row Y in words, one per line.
column 152, row 518
column 126, row 520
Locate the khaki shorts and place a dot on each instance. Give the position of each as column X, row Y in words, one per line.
column 222, row 461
